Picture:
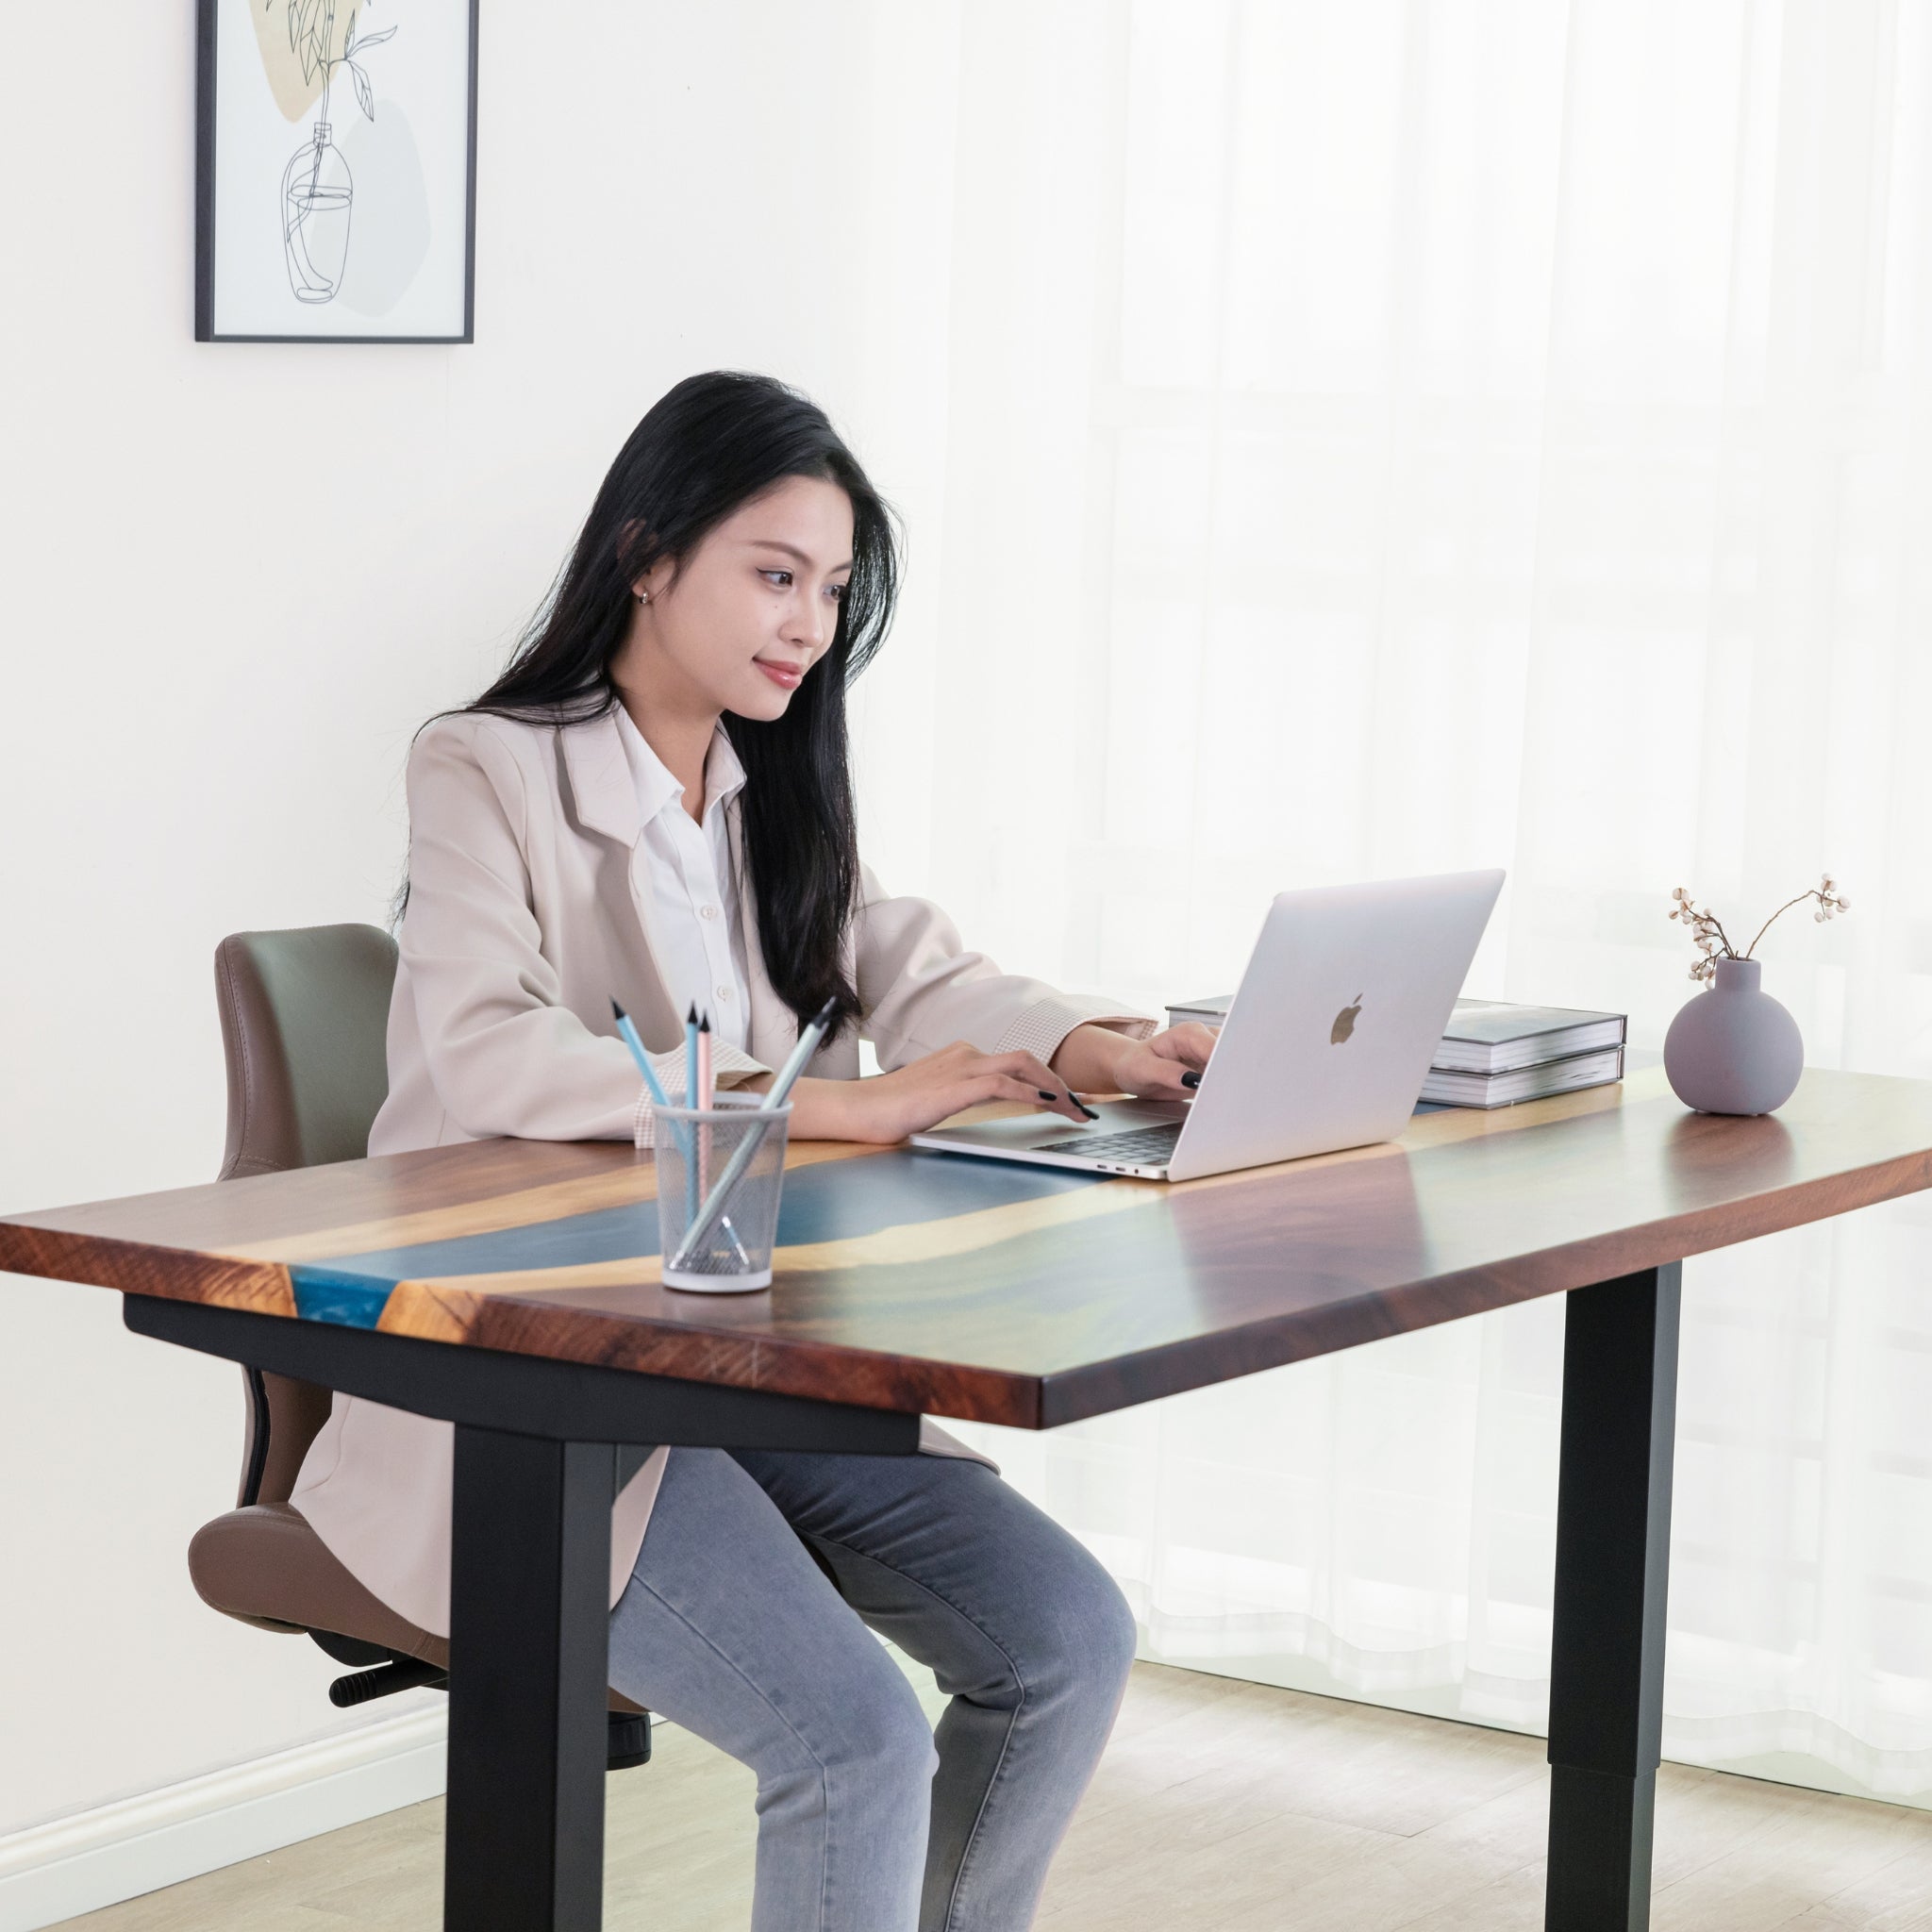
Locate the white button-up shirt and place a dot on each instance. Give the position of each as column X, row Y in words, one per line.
column 690, row 887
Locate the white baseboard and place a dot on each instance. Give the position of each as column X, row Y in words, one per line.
column 119, row 1851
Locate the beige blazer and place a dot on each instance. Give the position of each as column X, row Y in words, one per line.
column 525, row 917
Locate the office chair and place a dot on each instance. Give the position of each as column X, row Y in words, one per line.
column 304, row 1018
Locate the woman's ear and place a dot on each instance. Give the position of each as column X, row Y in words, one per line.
column 655, row 581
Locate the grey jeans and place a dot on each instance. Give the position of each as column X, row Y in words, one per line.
column 730, row 1627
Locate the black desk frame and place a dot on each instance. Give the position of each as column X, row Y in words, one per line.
column 542, row 1448
column 542, row 1445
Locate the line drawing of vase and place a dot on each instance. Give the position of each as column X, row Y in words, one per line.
column 318, row 193
column 317, row 198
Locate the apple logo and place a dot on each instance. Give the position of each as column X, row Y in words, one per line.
column 1344, row 1022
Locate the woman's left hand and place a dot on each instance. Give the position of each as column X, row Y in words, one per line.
column 1095, row 1059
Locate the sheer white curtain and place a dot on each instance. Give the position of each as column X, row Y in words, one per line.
column 1355, row 440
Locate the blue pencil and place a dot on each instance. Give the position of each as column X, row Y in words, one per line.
column 627, row 1032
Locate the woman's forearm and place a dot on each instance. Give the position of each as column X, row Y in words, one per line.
column 1087, row 1057
column 821, row 1109
column 886, row 1107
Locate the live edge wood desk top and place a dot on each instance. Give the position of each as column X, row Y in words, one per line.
column 923, row 1281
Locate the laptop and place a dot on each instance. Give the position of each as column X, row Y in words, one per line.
column 1324, row 1047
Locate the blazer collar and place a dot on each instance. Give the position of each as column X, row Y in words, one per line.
column 606, row 784
column 600, row 780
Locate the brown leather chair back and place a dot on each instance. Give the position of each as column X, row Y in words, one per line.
column 305, row 1016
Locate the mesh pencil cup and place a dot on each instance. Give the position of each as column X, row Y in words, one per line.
column 696, row 1148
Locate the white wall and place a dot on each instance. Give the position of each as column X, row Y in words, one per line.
column 237, row 577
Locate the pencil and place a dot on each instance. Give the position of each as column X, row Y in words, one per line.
column 705, row 1100
column 692, row 1196
column 627, row 1032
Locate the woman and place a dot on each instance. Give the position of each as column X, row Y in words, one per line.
column 653, row 803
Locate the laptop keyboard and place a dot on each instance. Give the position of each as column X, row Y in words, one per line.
column 1137, row 1144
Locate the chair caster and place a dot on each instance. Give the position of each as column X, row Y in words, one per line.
column 629, row 1740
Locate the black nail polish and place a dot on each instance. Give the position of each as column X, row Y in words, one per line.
column 1191, row 1078
column 1045, row 1095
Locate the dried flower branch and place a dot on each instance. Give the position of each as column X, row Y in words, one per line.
column 1714, row 943
column 312, row 34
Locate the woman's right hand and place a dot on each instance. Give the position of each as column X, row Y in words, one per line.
column 885, row 1107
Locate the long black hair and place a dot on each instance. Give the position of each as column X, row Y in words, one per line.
column 703, row 451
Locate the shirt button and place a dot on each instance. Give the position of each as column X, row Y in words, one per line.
column 708, row 913
column 723, row 992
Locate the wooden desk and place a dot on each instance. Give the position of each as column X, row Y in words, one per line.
column 512, row 1287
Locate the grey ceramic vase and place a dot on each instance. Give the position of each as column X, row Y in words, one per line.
column 1734, row 1049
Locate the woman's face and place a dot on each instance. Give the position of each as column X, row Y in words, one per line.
column 737, row 626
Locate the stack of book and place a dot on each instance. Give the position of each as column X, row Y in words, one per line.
column 1495, row 1053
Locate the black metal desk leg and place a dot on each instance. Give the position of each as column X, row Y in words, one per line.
column 529, row 1637
column 1613, row 1548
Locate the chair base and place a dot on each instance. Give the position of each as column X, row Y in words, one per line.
column 628, row 1735
column 384, row 1680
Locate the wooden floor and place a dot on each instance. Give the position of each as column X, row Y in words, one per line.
column 1220, row 1804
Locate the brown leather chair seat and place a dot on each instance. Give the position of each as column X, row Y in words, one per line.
column 304, row 1015
column 265, row 1565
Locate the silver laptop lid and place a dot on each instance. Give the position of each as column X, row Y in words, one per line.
column 1336, row 1020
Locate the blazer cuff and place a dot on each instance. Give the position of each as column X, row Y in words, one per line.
column 729, row 1068
column 1041, row 1027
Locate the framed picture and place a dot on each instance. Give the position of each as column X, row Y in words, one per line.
column 335, row 171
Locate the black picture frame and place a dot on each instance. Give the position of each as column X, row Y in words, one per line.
column 206, row 159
